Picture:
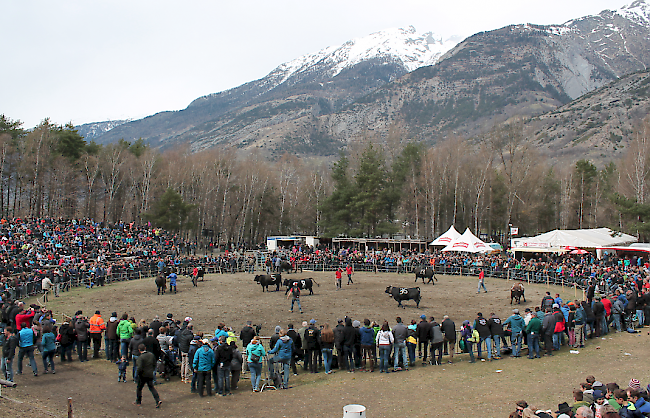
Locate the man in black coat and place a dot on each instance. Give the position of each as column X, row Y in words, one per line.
column 247, row 333
column 155, row 325
column 422, row 331
column 146, row 366
column 338, row 339
column 349, row 335
column 449, row 330
column 184, row 339
column 312, row 339
column 297, row 342
column 548, row 328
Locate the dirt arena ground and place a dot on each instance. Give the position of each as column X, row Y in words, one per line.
column 456, row 390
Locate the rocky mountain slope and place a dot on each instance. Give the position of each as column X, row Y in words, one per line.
column 321, row 102
column 598, row 125
column 311, row 85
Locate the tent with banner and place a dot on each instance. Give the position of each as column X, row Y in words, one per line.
column 468, row 243
column 444, row 239
column 566, row 240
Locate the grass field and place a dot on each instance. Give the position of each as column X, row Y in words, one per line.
column 457, row 390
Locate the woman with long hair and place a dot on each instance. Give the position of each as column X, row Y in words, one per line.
column 327, row 344
column 384, row 342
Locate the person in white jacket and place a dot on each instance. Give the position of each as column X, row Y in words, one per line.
column 384, row 342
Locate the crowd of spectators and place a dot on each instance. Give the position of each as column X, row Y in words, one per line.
column 593, row 398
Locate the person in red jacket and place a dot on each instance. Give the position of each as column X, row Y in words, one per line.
column 339, row 275
column 559, row 326
column 348, row 271
column 97, row 326
column 25, row 316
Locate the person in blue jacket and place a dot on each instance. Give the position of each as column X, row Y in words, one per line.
column 203, row 363
column 284, row 349
column 517, row 326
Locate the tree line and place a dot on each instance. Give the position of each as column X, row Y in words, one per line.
column 486, row 183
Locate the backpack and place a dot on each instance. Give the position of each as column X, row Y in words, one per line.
column 475, row 337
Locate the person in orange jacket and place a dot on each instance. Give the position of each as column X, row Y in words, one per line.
column 97, row 326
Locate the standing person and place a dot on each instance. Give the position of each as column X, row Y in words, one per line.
column 111, row 340
column 46, row 285
column 235, row 366
column 517, row 325
column 146, row 364
column 496, row 329
column 349, row 271
column 124, row 333
column 548, row 328
column 49, row 348
column 338, row 341
column 26, row 345
column 339, row 275
column 294, row 293
column 184, row 340
column 469, row 337
column 436, row 337
column 81, row 329
column 481, row 282
column 223, row 359
column 8, row 353
column 533, row 330
column 327, row 344
column 312, row 340
column 195, row 276
column 172, row 281
column 67, row 341
column 367, row 344
column 297, row 342
column 203, row 363
column 348, row 339
column 247, row 333
column 449, row 330
column 412, row 341
column 481, row 325
column 97, row 326
column 384, row 341
column 284, row 349
column 423, row 329
column 254, row 355
column 400, row 334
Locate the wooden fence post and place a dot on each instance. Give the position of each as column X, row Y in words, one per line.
column 69, row 407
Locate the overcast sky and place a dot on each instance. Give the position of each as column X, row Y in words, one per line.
column 89, row 61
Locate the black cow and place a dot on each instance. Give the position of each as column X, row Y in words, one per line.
column 404, row 293
column 425, row 271
column 303, row 284
column 161, row 283
column 285, row 265
column 267, row 280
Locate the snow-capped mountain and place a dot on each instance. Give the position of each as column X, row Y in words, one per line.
column 317, row 83
column 407, row 46
column 404, row 47
column 385, row 82
column 94, row 129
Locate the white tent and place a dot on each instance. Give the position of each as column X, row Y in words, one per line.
column 444, row 239
column 558, row 240
column 468, row 243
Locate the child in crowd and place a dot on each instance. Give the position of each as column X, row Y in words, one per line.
column 122, row 364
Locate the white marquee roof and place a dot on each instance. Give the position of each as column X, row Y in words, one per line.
column 579, row 238
column 444, row 239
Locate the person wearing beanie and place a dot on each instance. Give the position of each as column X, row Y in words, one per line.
column 313, row 343
column 275, row 337
column 423, row 330
column 111, row 340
